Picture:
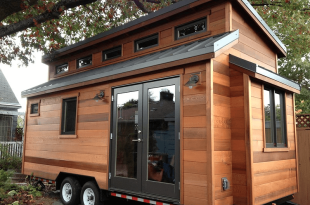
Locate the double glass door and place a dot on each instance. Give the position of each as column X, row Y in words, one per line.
column 145, row 138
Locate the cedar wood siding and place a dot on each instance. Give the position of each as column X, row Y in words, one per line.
column 275, row 173
column 213, row 119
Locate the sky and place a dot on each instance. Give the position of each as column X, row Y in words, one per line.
column 22, row 78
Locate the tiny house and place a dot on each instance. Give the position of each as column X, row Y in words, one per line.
column 182, row 106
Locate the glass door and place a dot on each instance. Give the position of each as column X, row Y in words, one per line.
column 161, row 148
column 145, row 144
column 126, row 138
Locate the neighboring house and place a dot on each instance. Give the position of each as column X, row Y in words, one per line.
column 8, row 110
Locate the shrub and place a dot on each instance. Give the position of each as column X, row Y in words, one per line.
column 7, row 161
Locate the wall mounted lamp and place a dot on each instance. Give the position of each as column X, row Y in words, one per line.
column 193, row 80
column 99, row 96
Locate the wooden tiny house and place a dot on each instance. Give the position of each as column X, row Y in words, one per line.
column 182, row 106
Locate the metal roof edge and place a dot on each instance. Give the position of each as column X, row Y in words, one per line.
column 263, row 71
column 229, row 38
column 261, row 20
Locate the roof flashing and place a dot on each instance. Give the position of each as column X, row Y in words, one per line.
column 193, row 49
column 262, row 71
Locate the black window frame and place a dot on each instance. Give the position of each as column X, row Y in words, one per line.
column 105, row 52
column 145, row 39
column 273, row 127
column 63, row 121
column 32, row 106
column 182, row 26
column 62, row 65
column 77, row 62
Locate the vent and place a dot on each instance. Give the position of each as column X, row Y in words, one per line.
column 83, row 62
column 112, row 53
column 147, row 42
column 190, row 28
column 62, row 68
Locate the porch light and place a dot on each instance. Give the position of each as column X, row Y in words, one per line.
column 99, row 96
column 193, row 80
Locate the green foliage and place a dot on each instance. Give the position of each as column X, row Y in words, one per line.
column 32, row 190
column 5, row 184
column 290, row 21
column 7, row 161
column 74, row 25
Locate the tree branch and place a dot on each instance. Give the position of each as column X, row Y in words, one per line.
column 141, row 6
column 54, row 13
column 8, row 7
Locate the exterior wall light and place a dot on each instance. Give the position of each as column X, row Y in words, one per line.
column 99, row 96
column 193, row 80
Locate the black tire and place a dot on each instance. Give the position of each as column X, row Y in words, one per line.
column 70, row 190
column 90, row 191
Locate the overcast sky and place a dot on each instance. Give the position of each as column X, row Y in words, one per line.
column 23, row 78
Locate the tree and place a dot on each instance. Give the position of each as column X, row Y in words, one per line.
column 48, row 25
column 289, row 19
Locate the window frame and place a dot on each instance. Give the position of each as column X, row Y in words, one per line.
column 61, row 66
column 182, row 26
column 68, row 135
column 85, row 57
column 144, row 39
column 275, row 146
column 33, row 102
column 105, row 52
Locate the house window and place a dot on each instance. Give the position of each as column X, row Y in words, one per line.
column 83, row 62
column 62, row 68
column 68, row 121
column 6, row 124
column 190, row 28
column 34, row 108
column 275, row 123
column 147, row 42
column 112, row 53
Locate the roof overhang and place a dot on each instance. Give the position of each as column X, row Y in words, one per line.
column 160, row 15
column 10, row 105
column 14, row 113
column 192, row 52
column 267, row 30
column 262, row 74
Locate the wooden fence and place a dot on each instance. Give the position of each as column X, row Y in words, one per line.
column 303, row 146
column 11, row 149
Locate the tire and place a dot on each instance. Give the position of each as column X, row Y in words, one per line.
column 90, row 194
column 70, row 190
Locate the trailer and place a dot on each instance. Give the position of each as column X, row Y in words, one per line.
column 181, row 106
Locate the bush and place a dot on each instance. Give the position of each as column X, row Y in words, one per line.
column 5, row 184
column 9, row 162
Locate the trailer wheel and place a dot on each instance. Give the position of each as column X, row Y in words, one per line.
column 69, row 191
column 90, row 194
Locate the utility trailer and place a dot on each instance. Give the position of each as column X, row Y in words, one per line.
column 182, row 106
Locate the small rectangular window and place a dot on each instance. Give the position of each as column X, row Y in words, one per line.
column 83, row 62
column 62, row 68
column 190, row 28
column 68, row 121
column 147, row 42
column 34, row 108
column 112, row 53
column 275, row 125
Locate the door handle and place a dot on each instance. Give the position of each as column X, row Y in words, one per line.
column 137, row 140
